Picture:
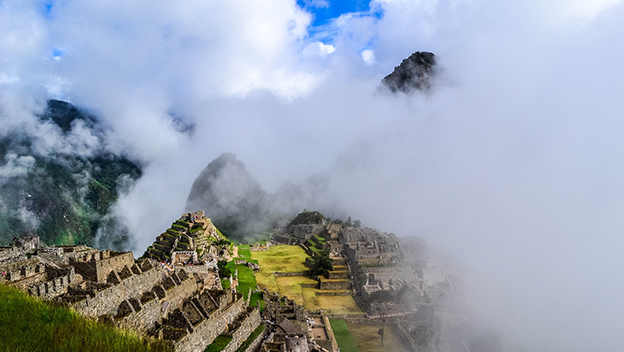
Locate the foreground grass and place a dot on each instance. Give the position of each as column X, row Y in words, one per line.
column 28, row 324
column 345, row 340
column 368, row 339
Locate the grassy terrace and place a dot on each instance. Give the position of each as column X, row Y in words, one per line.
column 282, row 258
column 317, row 242
column 335, row 304
column 28, row 324
column 345, row 340
column 246, row 280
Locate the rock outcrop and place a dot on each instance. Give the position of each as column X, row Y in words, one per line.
column 414, row 73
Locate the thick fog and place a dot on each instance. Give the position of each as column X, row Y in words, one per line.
column 512, row 163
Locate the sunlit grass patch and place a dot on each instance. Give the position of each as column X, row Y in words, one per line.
column 336, row 304
column 281, row 258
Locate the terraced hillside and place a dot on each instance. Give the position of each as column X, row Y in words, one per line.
column 192, row 232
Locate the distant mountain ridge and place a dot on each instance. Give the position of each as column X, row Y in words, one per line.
column 238, row 205
column 63, row 194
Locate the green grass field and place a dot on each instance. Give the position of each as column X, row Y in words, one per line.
column 246, row 280
column 368, row 339
column 282, row 258
column 345, row 339
column 28, row 324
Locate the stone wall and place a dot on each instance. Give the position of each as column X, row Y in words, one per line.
column 255, row 344
column 247, row 326
column 97, row 269
column 205, row 331
column 335, row 285
column 299, row 273
column 176, row 295
column 145, row 313
column 334, row 293
column 338, row 274
column 10, row 254
column 330, row 334
column 54, row 287
column 107, row 300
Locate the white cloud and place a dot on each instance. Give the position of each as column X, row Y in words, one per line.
column 16, row 165
column 368, row 56
column 318, row 49
column 511, row 163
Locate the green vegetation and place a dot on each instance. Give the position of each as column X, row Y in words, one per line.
column 244, row 252
column 259, row 330
column 322, row 265
column 255, row 298
column 308, row 217
column 246, row 280
column 225, row 283
column 224, row 270
column 345, row 340
column 316, row 247
column 218, row 344
column 282, row 258
column 319, row 239
column 28, row 324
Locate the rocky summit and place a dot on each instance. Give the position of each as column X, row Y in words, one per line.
column 414, row 73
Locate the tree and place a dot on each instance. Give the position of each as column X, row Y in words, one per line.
column 379, row 301
column 223, row 271
column 322, row 265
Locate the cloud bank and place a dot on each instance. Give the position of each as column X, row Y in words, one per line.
column 511, row 164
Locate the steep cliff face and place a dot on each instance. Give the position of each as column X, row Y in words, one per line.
column 61, row 185
column 414, row 73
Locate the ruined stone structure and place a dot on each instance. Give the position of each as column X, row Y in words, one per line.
column 193, row 232
column 370, row 245
column 175, row 305
column 291, row 329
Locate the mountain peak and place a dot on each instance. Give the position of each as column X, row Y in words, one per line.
column 414, row 73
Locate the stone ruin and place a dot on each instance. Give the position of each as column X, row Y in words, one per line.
column 141, row 295
column 193, row 232
column 292, row 329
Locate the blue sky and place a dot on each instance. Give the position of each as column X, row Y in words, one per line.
column 329, row 10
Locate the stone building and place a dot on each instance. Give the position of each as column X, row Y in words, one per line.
column 174, row 305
